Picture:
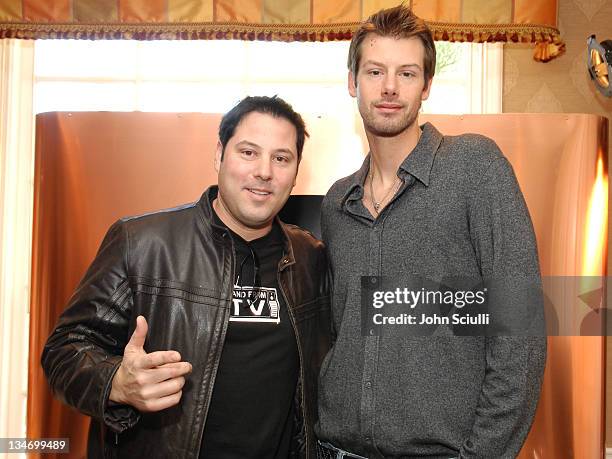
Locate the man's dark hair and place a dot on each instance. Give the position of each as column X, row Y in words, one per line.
column 396, row 22
column 274, row 106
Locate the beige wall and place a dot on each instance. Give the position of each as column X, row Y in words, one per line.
column 563, row 85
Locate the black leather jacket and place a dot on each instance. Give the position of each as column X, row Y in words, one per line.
column 176, row 268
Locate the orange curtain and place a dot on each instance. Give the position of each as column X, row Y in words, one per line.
column 526, row 21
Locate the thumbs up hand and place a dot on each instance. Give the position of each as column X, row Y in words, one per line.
column 148, row 382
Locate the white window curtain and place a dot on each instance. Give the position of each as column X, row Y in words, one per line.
column 16, row 204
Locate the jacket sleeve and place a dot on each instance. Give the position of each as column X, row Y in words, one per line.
column 504, row 241
column 85, row 349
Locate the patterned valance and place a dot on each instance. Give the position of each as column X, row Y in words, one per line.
column 524, row 21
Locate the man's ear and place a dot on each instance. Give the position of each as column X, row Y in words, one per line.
column 426, row 89
column 352, row 84
column 218, row 155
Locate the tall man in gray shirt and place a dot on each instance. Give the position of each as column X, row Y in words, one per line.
column 434, row 206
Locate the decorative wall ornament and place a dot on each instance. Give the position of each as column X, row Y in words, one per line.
column 594, row 101
column 599, row 64
column 544, row 101
column 590, row 7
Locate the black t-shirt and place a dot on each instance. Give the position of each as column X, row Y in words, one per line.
column 251, row 412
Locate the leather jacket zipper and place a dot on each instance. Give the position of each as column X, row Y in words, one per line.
column 211, row 385
column 301, row 357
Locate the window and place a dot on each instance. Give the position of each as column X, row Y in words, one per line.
column 468, row 79
column 211, row 76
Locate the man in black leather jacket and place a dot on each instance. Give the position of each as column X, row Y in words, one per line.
column 198, row 332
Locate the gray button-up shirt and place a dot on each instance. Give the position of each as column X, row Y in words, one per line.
column 458, row 212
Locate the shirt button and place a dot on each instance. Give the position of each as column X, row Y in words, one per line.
column 368, row 384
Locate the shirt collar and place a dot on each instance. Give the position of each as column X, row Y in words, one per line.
column 420, row 161
column 417, row 163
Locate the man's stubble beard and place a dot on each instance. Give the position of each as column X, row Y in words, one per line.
column 388, row 127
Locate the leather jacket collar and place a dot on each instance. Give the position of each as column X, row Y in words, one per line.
column 218, row 232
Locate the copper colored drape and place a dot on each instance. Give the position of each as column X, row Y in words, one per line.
column 92, row 168
column 558, row 175
column 527, row 21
